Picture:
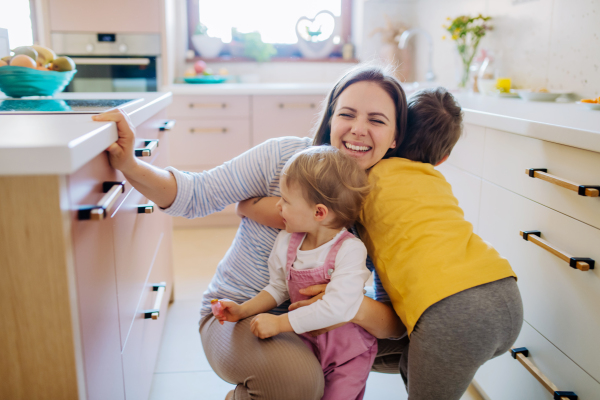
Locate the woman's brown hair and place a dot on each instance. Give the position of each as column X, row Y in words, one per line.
column 327, row 176
column 364, row 73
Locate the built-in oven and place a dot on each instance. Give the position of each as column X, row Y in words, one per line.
column 111, row 62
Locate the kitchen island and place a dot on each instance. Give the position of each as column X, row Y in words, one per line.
column 86, row 258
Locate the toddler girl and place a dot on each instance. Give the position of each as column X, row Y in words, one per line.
column 322, row 191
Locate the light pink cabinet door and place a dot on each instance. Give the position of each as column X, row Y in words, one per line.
column 96, row 283
column 276, row 116
column 141, row 349
column 205, row 142
column 131, row 16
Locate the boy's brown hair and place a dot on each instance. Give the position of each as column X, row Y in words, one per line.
column 329, row 177
column 434, row 126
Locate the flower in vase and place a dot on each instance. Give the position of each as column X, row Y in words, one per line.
column 467, row 31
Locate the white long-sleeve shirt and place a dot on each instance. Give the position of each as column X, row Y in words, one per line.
column 343, row 294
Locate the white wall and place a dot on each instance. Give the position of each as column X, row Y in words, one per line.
column 551, row 43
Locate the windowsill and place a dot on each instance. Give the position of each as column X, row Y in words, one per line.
column 274, row 59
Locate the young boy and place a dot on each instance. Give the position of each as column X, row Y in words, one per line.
column 455, row 294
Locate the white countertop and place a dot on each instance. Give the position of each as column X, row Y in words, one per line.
column 566, row 123
column 60, row 144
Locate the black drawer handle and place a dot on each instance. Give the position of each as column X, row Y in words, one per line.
column 580, row 263
column 167, row 125
column 147, row 151
column 582, row 190
column 521, row 354
column 99, row 211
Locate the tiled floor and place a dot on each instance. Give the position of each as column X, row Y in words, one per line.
column 182, row 372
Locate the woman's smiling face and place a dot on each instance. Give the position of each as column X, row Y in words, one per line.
column 363, row 124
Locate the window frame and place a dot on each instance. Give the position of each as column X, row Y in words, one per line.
column 285, row 52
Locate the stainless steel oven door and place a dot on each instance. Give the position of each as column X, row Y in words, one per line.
column 114, row 74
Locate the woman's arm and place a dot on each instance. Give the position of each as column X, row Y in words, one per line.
column 262, row 210
column 156, row 184
column 379, row 319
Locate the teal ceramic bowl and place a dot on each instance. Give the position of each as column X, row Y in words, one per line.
column 23, row 81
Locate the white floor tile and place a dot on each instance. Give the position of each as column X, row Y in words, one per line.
column 181, row 349
column 189, row 386
column 384, row 387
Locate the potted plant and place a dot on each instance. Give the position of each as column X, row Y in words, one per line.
column 251, row 45
column 208, row 47
column 467, row 31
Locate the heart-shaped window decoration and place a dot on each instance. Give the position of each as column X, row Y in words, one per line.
column 318, row 29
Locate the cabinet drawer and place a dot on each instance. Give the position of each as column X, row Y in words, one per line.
column 559, row 301
column 467, row 189
column 507, row 156
column 98, row 309
column 208, row 142
column 209, row 106
column 468, row 152
column 505, row 378
column 276, row 116
column 136, row 239
column 141, row 349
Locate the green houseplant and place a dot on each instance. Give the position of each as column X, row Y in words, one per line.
column 467, row 32
column 253, row 45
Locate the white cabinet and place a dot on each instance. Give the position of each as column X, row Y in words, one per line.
column 276, row 116
column 211, row 130
column 487, row 174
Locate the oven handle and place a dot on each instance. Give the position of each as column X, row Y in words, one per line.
column 111, row 61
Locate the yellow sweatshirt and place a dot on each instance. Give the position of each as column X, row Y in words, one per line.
column 422, row 247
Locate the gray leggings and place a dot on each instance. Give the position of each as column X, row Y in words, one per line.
column 451, row 340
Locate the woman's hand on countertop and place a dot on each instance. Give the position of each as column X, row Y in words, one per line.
column 120, row 153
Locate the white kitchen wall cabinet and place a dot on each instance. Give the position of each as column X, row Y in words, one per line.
column 276, row 116
column 109, row 16
column 487, row 171
column 212, row 129
column 85, row 297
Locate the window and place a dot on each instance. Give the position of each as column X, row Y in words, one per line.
column 274, row 19
column 17, row 21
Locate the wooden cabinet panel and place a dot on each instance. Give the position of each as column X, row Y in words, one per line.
column 559, row 301
column 131, row 16
column 505, row 378
column 213, row 107
column 208, row 142
column 508, row 155
column 276, row 116
column 141, row 349
column 467, row 189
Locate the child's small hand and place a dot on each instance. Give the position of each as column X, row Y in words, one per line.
column 226, row 310
column 265, row 325
column 120, row 153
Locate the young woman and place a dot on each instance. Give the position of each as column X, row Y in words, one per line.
column 365, row 118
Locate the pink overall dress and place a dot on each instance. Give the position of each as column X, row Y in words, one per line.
column 346, row 353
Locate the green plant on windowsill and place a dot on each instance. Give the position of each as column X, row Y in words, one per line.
column 254, row 47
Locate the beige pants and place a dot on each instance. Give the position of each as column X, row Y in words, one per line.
column 278, row 368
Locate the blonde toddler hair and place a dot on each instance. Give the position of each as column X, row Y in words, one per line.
column 329, row 177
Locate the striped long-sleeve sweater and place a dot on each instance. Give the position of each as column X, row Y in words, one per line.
column 243, row 272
